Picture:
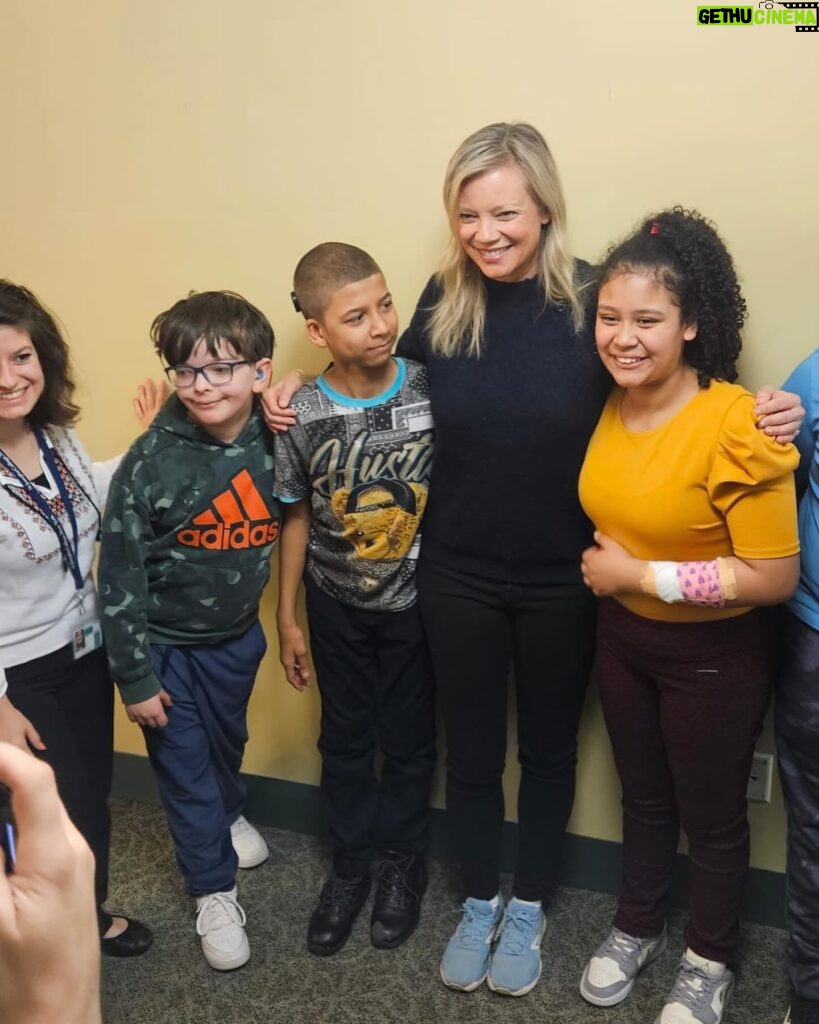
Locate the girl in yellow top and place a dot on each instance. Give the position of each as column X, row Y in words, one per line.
column 695, row 521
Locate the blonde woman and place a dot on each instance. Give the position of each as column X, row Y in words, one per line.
column 517, row 390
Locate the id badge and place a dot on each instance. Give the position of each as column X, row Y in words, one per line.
column 86, row 638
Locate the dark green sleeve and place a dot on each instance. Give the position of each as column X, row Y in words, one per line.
column 123, row 583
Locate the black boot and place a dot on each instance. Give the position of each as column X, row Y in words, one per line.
column 338, row 906
column 402, row 881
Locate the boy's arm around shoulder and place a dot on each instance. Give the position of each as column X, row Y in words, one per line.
column 123, row 587
column 292, row 556
column 278, row 414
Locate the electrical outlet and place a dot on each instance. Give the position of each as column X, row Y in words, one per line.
column 759, row 782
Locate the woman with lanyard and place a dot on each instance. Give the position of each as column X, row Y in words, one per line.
column 56, row 695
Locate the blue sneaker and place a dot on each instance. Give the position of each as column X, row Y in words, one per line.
column 466, row 958
column 515, row 966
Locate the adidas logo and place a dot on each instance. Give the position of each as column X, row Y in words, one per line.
column 239, row 518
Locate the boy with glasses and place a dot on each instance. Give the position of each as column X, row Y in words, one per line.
column 186, row 540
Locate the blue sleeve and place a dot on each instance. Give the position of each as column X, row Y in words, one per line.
column 804, row 381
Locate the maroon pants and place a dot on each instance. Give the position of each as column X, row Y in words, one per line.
column 684, row 704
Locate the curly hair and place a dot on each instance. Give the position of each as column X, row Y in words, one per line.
column 681, row 250
column 21, row 309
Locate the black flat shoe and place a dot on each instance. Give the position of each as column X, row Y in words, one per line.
column 402, row 881
column 134, row 941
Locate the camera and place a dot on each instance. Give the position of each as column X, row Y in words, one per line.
column 6, row 828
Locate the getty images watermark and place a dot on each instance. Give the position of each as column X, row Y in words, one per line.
column 803, row 16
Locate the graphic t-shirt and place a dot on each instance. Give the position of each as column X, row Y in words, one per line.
column 365, row 465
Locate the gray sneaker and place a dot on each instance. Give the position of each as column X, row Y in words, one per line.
column 700, row 993
column 610, row 974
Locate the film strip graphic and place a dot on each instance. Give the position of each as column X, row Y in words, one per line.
column 803, row 7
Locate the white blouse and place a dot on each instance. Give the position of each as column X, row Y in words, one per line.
column 40, row 607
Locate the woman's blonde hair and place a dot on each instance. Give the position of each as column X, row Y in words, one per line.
column 457, row 319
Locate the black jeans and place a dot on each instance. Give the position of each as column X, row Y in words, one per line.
column 376, row 695
column 478, row 630
column 797, row 739
column 71, row 704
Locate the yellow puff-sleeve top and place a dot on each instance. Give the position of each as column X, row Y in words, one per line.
column 706, row 484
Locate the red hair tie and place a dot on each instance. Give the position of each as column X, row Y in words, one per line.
column 654, row 229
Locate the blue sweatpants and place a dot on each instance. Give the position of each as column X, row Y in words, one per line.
column 197, row 756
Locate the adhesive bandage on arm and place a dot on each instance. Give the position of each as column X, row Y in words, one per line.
column 709, row 584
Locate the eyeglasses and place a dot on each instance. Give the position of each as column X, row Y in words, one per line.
column 216, row 374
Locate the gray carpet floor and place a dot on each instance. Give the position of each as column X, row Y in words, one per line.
column 172, row 984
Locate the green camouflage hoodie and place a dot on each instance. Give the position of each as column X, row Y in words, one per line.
column 186, row 539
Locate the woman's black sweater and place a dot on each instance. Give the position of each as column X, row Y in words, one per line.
column 511, row 432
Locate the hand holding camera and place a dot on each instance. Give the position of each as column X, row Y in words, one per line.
column 49, row 940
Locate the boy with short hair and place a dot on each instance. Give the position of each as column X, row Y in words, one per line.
column 188, row 530
column 353, row 472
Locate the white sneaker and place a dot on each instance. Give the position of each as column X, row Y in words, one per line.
column 220, row 924
column 250, row 848
column 700, row 993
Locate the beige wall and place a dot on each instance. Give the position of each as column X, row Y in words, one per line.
column 153, row 147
